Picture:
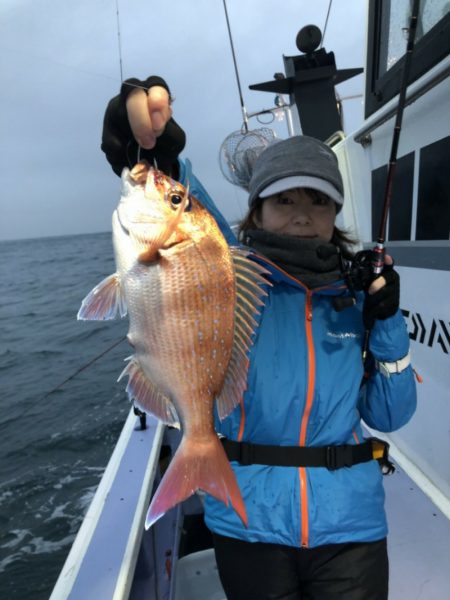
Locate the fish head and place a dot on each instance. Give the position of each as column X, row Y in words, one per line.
column 157, row 213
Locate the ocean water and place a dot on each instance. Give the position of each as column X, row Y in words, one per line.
column 53, row 451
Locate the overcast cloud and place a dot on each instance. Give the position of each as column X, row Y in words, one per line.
column 60, row 66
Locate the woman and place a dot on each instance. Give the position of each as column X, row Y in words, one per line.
column 312, row 489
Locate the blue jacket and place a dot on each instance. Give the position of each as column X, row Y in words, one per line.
column 304, row 389
column 196, row 189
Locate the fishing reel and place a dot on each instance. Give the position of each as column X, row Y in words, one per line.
column 358, row 275
column 360, row 271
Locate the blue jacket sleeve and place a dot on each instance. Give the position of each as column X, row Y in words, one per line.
column 388, row 402
column 197, row 190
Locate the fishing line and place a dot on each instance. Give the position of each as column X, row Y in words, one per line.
column 60, row 385
column 326, row 23
column 244, row 110
column 119, row 41
column 35, row 56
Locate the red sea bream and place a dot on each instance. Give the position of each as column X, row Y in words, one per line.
column 191, row 301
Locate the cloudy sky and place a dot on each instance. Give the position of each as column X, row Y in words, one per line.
column 60, row 66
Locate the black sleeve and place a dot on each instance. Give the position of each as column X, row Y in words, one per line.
column 119, row 145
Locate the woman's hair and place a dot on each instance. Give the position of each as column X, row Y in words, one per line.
column 341, row 238
column 344, row 241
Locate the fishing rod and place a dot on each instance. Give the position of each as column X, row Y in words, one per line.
column 91, row 362
column 377, row 254
column 378, row 250
column 241, row 98
column 139, row 413
column 367, row 265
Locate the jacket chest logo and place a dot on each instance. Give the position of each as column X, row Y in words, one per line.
column 343, row 335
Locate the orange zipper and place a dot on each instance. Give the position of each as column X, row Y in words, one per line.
column 305, row 418
column 242, row 421
column 309, row 401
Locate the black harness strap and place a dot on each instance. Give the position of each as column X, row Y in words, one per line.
column 331, row 457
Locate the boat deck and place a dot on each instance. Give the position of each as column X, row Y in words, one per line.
column 419, row 542
column 419, row 550
column 106, row 561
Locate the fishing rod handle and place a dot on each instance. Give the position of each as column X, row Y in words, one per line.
column 378, row 259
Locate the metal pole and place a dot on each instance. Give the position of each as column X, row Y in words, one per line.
column 290, row 124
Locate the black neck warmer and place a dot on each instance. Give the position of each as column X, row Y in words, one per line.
column 298, row 257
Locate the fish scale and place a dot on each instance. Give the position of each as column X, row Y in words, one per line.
column 179, row 341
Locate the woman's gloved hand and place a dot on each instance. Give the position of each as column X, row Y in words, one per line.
column 383, row 296
column 139, row 122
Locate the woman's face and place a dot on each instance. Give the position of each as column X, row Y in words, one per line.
column 299, row 213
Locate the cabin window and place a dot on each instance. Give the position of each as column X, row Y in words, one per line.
column 400, row 213
column 433, row 206
column 388, row 21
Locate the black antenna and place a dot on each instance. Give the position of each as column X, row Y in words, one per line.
column 244, row 111
column 119, row 40
column 326, row 23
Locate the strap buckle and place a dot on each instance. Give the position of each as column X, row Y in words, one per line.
column 246, row 454
column 380, row 452
column 387, row 368
column 337, row 457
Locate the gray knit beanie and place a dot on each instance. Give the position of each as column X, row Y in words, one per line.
column 297, row 162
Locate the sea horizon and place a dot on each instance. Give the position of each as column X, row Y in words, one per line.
column 48, row 237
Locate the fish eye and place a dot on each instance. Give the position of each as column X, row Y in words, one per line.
column 175, row 199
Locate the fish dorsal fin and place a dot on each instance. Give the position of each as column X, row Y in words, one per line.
column 250, row 290
column 104, row 302
column 147, row 396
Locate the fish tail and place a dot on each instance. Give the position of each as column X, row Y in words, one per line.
column 195, row 467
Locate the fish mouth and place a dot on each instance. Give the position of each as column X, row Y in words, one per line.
column 147, row 244
column 122, row 226
column 141, row 224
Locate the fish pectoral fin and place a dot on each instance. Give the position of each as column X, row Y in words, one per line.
column 250, row 290
column 104, row 302
column 147, row 396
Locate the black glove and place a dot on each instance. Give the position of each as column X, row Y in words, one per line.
column 385, row 302
column 121, row 148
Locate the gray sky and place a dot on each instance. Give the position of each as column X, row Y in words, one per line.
column 60, row 66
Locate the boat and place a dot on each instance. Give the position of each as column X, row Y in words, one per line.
column 114, row 558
